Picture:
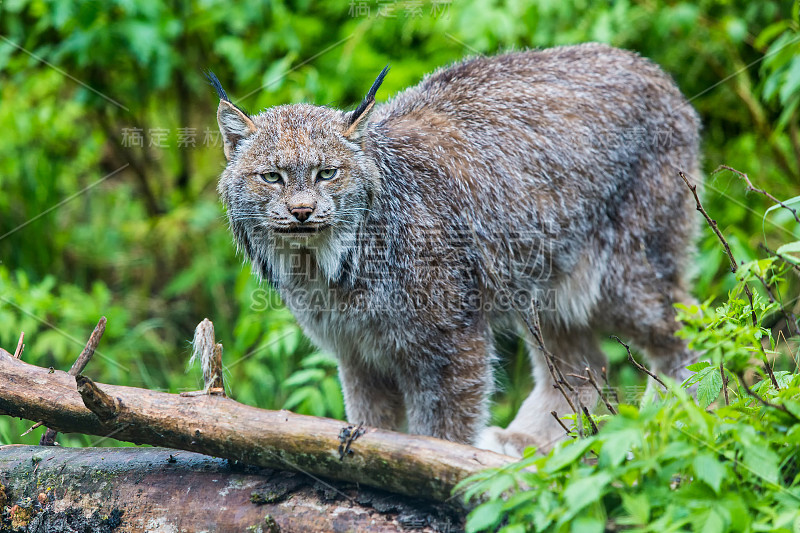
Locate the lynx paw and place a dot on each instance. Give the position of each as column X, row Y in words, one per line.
column 506, row 442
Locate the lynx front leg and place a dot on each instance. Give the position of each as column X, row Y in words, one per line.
column 369, row 397
column 447, row 394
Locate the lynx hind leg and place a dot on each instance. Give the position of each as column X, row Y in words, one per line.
column 369, row 397
column 534, row 424
column 649, row 276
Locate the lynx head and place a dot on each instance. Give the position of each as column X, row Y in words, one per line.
column 297, row 177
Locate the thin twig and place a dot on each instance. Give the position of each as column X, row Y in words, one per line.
column 559, row 382
column 49, row 436
column 779, row 256
column 591, row 420
column 560, row 423
column 713, row 224
column 637, row 365
column 711, row 221
column 89, row 349
column 20, row 345
column 734, row 266
column 751, row 187
column 613, row 390
column 577, row 393
column 590, row 376
column 764, row 401
column 768, row 367
column 579, row 422
column 36, row 425
column 791, row 321
column 724, row 382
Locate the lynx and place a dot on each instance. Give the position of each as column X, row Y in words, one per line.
column 404, row 236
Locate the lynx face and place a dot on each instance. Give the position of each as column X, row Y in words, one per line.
column 296, row 173
column 297, row 178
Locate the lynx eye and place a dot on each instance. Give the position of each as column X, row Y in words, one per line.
column 327, row 174
column 272, row 177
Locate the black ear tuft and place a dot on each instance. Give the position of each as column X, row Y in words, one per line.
column 212, row 79
column 369, row 99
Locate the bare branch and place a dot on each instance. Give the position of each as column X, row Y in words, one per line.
column 724, row 382
column 791, row 320
column 591, row 420
column 637, row 365
column 560, row 423
column 764, row 401
column 734, row 267
column 604, row 374
column 89, row 349
column 407, row 464
column 590, row 376
column 20, row 345
column 751, row 187
column 49, row 436
column 711, row 221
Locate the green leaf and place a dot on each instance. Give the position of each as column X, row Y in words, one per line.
column 791, row 82
column 581, row 492
column 318, row 359
column 771, row 32
column 709, row 387
column 298, row 397
column 587, row 524
column 302, row 377
column 714, row 523
column 698, row 366
column 761, row 461
column 567, row 455
column 793, row 407
column 617, row 446
column 513, row 528
column 789, row 248
column 484, row 516
column 709, row 470
column 637, row 506
column 794, row 203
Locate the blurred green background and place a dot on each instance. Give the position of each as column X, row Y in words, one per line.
column 110, row 155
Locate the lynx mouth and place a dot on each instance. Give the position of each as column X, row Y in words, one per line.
column 300, row 230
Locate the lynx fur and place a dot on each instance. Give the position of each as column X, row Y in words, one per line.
column 404, row 235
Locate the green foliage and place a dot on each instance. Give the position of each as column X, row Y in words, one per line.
column 729, row 461
column 662, row 467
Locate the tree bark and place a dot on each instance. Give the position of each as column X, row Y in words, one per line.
column 417, row 466
column 161, row 490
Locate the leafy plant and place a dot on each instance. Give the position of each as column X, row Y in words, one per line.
column 729, row 461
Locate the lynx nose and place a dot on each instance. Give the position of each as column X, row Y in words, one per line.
column 301, row 213
column 301, row 205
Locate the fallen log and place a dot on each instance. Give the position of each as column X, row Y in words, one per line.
column 156, row 489
column 417, row 466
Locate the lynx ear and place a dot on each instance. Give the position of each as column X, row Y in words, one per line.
column 358, row 118
column 234, row 124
